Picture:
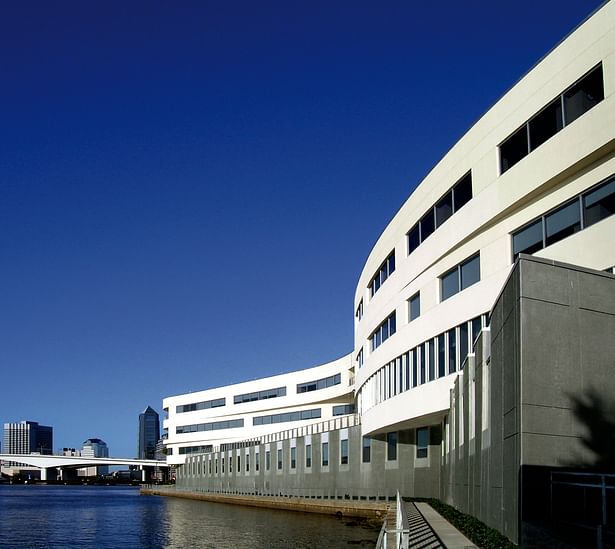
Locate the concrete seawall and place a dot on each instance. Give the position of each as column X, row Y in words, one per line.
column 365, row 509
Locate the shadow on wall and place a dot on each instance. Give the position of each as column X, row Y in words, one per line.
column 596, row 413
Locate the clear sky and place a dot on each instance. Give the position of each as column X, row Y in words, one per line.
column 188, row 190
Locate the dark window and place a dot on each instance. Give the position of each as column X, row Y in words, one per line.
column 415, row 371
column 367, row 450
column 441, row 361
column 267, row 460
column 308, row 455
column 385, row 270
column 325, row 454
column 293, row 457
column 450, row 284
column 546, row 124
column 422, row 363
column 529, row 239
column 414, row 238
column 422, row 442
column 599, row 203
column 463, row 343
column 279, row 459
column 583, row 95
column 359, row 312
column 470, row 272
column 193, row 406
column 392, row 446
column 427, row 225
column 260, row 395
column 462, row 192
column 513, row 149
column 344, row 451
column 257, row 461
column 431, row 355
column 343, row 409
column 414, row 307
column 319, row 384
column 452, row 351
column 286, row 417
column 444, row 208
column 383, row 332
column 476, row 328
column 563, row 222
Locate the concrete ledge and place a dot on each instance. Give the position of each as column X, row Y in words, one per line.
column 364, row 509
column 448, row 534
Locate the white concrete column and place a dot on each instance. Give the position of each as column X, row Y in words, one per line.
column 43, row 473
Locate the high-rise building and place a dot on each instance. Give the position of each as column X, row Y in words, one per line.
column 94, row 447
column 149, row 433
column 25, row 437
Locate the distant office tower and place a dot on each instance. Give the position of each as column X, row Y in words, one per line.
column 149, row 433
column 26, row 437
column 94, row 447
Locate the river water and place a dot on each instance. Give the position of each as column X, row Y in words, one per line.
column 106, row 517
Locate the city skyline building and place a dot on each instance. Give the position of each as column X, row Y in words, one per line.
column 94, row 447
column 26, row 437
column 149, row 433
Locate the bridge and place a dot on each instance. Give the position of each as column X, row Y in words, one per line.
column 45, row 462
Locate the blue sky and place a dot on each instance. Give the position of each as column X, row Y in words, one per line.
column 188, row 190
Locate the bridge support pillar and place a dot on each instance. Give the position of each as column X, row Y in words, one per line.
column 43, row 473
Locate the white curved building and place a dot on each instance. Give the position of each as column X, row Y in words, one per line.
column 485, row 423
column 536, row 174
column 243, row 412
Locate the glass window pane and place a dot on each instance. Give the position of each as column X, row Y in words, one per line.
column 470, row 272
column 367, row 448
column 450, row 284
column 513, row 149
column 452, row 351
column 462, row 192
column 441, row 363
column 476, row 327
column 413, row 239
column 385, row 331
column 415, row 370
column 422, row 363
column 392, row 324
column 581, row 97
column 422, row 442
column 391, row 264
column 444, row 209
column 392, row 446
column 427, row 225
column 563, row 222
column 599, row 203
column 528, row 240
column 463, row 343
column 415, row 306
column 546, row 124
column 431, row 355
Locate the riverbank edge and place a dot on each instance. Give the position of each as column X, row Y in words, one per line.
column 361, row 509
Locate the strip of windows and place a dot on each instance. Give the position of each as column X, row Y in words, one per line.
column 204, row 405
column 259, row 395
column 343, row 409
column 579, row 98
column 433, row 359
column 383, row 332
column 450, row 203
column 319, row 384
column 460, row 277
column 195, row 449
column 213, row 426
column 566, row 219
column 288, row 416
column 359, row 312
column 384, row 272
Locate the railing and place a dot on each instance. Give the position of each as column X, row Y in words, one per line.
column 382, row 536
column 401, row 530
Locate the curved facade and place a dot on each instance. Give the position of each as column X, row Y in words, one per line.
column 536, row 174
column 201, row 421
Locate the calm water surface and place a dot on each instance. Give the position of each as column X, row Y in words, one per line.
column 105, row 517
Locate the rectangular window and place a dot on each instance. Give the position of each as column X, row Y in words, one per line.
column 360, row 358
column 308, row 455
column 213, row 426
column 422, row 362
column 257, row 461
column 461, row 277
column 452, row 351
column 599, row 203
column 529, row 239
column 441, row 353
column 476, row 328
column 367, row 450
column 385, row 270
column 546, row 124
column 204, row 405
column 463, row 343
column 267, row 460
column 584, row 95
column 319, row 384
column 293, row 457
column 515, row 148
column 343, row 409
column 428, row 225
column 431, row 355
column 325, row 454
column 230, row 464
column 444, row 208
column 247, row 463
column 359, row 312
column 279, row 459
column 422, row 442
column 414, row 307
column 392, row 446
column 563, row 222
column 344, row 451
column 462, row 192
column 415, row 371
column 260, row 395
column 414, row 238
column 239, row 464
column 286, row 417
